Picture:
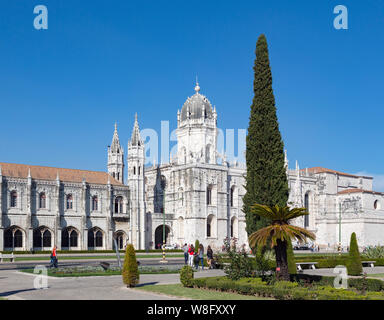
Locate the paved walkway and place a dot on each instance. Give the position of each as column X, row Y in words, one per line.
column 19, row 285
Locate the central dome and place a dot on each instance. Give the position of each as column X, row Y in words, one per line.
column 195, row 106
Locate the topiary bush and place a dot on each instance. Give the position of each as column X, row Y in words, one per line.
column 186, row 276
column 354, row 266
column 130, row 270
column 197, row 243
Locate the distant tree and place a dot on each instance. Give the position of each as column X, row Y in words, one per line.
column 130, row 270
column 266, row 180
column 354, row 266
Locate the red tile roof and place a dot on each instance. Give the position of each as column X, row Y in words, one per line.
column 321, row 170
column 50, row 173
column 355, row 190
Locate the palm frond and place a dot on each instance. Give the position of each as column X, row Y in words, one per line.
column 276, row 213
column 283, row 232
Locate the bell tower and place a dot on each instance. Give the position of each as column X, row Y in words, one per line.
column 136, row 176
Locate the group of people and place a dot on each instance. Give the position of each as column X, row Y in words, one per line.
column 194, row 257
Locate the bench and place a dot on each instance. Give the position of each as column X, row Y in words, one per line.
column 299, row 264
column 7, row 256
column 369, row 263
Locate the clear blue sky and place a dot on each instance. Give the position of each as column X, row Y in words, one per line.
column 62, row 89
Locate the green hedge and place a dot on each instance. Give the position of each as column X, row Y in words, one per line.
column 360, row 284
column 282, row 290
column 90, row 251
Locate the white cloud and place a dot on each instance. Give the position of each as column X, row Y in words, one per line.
column 378, row 180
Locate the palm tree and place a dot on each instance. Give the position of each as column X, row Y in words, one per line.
column 279, row 233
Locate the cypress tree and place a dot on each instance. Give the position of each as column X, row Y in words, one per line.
column 130, row 270
column 266, row 180
column 354, row 267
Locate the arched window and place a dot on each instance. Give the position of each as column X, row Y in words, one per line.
column 134, row 170
column 139, row 169
column 95, row 238
column 13, row 199
column 69, row 202
column 94, row 203
column 18, row 239
column 69, row 238
column 113, row 175
column 120, row 237
column 46, row 238
column 42, row 200
column 41, row 237
column 118, row 176
column 211, row 226
column 209, row 195
column 119, row 204
column 306, row 205
column 376, row 205
column 13, row 238
column 73, row 236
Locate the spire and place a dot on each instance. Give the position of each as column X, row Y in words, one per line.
column 29, row 173
column 115, row 146
column 136, row 139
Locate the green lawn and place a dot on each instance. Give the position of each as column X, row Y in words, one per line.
column 100, row 273
column 96, row 257
column 196, row 294
column 376, row 275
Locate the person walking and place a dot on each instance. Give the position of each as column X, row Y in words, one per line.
column 200, row 253
column 53, row 257
column 209, row 257
column 191, row 252
column 185, row 249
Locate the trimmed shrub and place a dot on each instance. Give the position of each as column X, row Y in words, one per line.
column 291, row 259
column 186, row 276
column 197, row 243
column 130, row 271
column 354, row 266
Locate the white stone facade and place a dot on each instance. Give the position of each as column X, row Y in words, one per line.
column 197, row 196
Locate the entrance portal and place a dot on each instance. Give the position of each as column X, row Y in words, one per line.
column 159, row 236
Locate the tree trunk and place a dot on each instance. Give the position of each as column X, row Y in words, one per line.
column 282, row 272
